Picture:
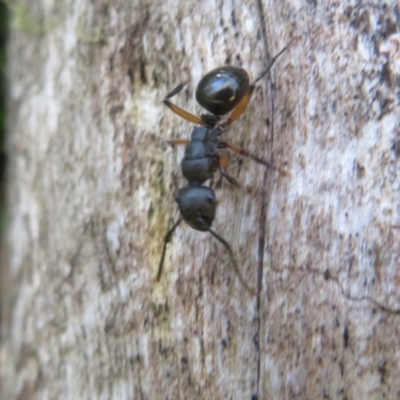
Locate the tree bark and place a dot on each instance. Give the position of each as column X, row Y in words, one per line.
column 91, row 188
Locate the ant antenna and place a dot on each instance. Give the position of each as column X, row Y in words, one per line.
column 234, row 262
column 167, row 239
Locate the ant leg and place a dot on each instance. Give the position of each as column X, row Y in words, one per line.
column 178, row 142
column 241, row 107
column 223, row 166
column 175, row 91
column 167, row 239
column 269, row 65
column 234, row 262
column 180, row 111
column 243, row 152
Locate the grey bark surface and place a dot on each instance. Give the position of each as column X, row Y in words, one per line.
column 91, row 188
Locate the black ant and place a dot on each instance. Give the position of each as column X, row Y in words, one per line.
column 220, row 91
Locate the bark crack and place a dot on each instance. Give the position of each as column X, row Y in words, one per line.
column 326, row 275
column 264, row 201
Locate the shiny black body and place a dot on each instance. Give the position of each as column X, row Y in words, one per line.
column 223, row 90
column 220, row 90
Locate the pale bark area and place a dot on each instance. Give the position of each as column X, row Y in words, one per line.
column 91, row 188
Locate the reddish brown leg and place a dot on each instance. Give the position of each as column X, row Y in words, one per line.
column 241, row 107
column 243, row 152
column 183, row 114
column 180, row 111
column 223, row 166
column 178, row 142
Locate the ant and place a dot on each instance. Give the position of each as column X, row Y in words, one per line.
column 222, row 90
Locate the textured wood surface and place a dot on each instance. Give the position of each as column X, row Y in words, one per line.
column 91, row 194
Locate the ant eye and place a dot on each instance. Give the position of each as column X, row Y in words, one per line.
column 211, row 199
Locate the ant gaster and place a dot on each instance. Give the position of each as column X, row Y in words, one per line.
column 222, row 90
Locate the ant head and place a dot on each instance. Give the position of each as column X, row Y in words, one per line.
column 197, row 205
